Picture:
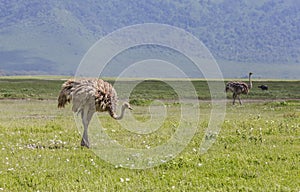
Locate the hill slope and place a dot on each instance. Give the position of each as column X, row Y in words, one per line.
column 52, row 37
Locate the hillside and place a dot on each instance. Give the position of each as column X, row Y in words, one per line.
column 51, row 37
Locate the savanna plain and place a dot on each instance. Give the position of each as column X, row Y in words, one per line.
column 257, row 148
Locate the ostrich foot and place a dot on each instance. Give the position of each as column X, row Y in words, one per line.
column 85, row 143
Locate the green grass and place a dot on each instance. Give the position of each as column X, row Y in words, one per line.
column 257, row 149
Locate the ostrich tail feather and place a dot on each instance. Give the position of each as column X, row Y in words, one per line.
column 65, row 94
column 62, row 100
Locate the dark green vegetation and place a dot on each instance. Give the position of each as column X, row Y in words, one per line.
column 257, row 148
column 29, row 88
column 161, row 90
column 37, row 88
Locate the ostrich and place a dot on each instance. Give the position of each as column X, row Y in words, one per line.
column 239, row 88
column 263, row 87
column 89, row 96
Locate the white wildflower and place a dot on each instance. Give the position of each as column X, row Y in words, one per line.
column 88, row 172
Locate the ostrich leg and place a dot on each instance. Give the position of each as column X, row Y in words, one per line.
column 239, row 99
column 234, row 97
column 85, row 139
column 86, row 116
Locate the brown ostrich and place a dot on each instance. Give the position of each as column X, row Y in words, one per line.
column 239, row 88
column 89, row 96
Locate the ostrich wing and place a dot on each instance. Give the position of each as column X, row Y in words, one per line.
column 83, row 96
column 237, row 87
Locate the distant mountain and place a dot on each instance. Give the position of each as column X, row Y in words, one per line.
column 39, row 37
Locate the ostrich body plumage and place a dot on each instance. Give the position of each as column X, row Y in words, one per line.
column 89, row 96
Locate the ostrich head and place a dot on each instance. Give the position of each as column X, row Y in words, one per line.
column 125, row 105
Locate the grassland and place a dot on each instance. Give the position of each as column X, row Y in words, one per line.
column 257, row 149
column 48, row 88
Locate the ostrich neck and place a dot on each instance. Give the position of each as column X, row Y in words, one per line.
column 250, row 82
column 115, row 116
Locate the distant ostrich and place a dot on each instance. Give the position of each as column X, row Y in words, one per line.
column 89, row 96
column 263, row 87
column 239, row 88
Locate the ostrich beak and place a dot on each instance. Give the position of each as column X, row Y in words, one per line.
column 130, row 108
